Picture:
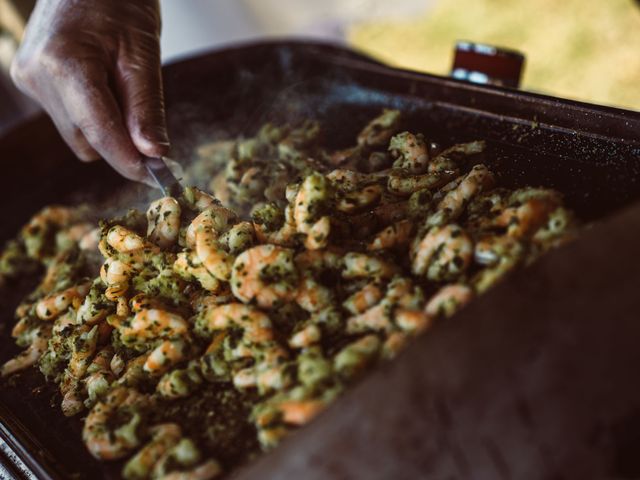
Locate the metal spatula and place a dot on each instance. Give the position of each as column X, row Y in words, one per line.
column 164, row 177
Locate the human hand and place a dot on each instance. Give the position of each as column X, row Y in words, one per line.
column 94, row 66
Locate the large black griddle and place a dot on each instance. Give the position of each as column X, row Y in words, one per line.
column 535, row 380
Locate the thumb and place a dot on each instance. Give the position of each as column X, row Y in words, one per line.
column 142, row 97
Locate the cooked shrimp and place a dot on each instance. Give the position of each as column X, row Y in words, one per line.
column 313, row 296
column 308, row 210
column 530, row 212
column 363, row 299
column 37, row 347
column 53, row 305
column 357, row 200
column 189, row 267
column 83, row 348
column 239, row 237
column 94, row 308
column 153, row 324
column 256, row 325
column 89, row 240
column 180, row 382
column 448, row 159
column 412, row 320
column 163, row 438
column 400, row 183
column 283, row 236
column 380, row 130
column 163, row 218
column 395, row 235
column 104, row 441
column 265, row 274
column 349, row 180
column 443, row 253
column 207, row 471
column 166, row 355
column 478, row 180
column 318, row 234
column 124, row 240
column 410, row 152
column 213, row 257
column 355, row 357
column 376, row 318
column 448, row 300
column 316, row 261
column 306, row 336
column 360, row 265
column 216, row 218
column 199, row 200
column 99, row 375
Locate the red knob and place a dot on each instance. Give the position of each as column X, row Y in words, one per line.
column 482, row 63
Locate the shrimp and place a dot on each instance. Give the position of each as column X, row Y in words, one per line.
column 163, row 218
column 502, row 254
column 265, row 274
column 410, row 152
column 216, row 218
column 53, row 305
column 380, row 130
column 346, row 181
column 99, row 375
column 134, row 372
column 317, row 261
column 189, row 267
column 363, row 299
column 94, row 308
column 400, row 183
column 164, row 437
column 199, row 200
column 479, row 179
column 89, row 241
column 306, row 336
column 530, row 210
column 284, row 236
column 356, row 356
column 358, row 200
column 39, row 338
column 256, row 325
column 318, row 234
column 153, row 324
column 83, row 348
column 448, row 300
column 103, row 440
column 166, row 355
column 123, row 240
column 116, row 274
column 239, row 238
column 313, row 296
column 443, row 253
column 179, row 383
column 360, row 265
column 207, row 471
column 395, row 235
column 448, row 159
column 309, row 204
column 413, row 321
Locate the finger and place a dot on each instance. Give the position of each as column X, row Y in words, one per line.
column 93, row 109
column 139, row 81
column 72, row 135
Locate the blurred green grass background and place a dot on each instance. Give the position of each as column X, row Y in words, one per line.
column 581, row 49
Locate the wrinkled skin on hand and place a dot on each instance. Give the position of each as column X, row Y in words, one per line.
column 94, row 66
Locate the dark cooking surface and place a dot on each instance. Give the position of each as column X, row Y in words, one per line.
column 591, row 154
